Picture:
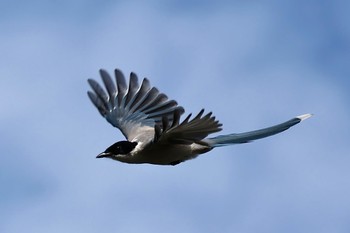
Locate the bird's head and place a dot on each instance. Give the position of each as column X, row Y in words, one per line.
column 118, row 149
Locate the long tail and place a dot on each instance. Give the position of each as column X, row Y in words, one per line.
column 237, row 138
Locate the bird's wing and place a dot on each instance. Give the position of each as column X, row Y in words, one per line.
column 187, row 132
column 133, row 109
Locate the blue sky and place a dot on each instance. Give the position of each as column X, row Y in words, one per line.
column 253, row 64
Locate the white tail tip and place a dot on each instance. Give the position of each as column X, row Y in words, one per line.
column 304, row 117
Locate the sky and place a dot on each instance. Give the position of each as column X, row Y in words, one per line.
column 253, row 63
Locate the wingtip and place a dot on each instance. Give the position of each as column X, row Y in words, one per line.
column 92, row 82
column 304, row 116
column 102, row 71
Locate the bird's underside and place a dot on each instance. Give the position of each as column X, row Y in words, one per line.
column 151, row 124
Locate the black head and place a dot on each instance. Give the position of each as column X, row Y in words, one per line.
column 118, row 148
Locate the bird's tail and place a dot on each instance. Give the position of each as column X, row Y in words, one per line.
column 237, row 138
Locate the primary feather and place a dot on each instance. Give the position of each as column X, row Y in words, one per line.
column 131, row 108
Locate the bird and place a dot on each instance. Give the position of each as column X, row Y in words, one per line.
column 150, row 122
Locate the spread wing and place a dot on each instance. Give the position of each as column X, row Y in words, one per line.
column 189, row 131
column 133, row 109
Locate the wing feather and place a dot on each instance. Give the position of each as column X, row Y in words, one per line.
column 134, row 109
column 140, row 95
column 133, row 87
column 189, row 131
column 121, row 85
column 107, row 80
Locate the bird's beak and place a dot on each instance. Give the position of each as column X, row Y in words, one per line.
column 103, row 155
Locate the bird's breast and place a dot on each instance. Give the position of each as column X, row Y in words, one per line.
column 166, row 154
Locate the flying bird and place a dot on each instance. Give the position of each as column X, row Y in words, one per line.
column 150, row 122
